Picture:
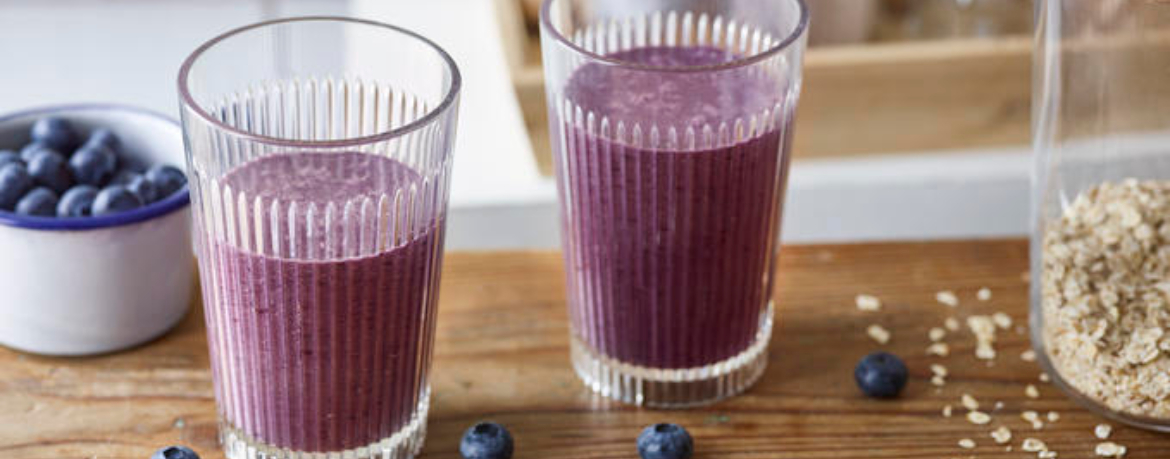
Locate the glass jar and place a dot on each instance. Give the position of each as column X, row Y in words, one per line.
column 1101, row 205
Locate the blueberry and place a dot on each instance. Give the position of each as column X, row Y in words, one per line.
column 144, row 189
column 881, row 375
column 77, row 202
column 55, row 132
column 486, row 440
column 665, row 441
column 14, row 182
column 29, row 151
column 48, row 169
column 9, row 156
column 41, row 202
column 167, row 179
column 93, row 165
column 124, row 176
column 114, row 199
column 103, row 137
column 174, row 452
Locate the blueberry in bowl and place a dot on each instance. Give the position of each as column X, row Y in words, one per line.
column 124, row 247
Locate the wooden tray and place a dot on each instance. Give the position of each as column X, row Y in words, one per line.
column 502, row 354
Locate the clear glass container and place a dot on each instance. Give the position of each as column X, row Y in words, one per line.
column 672, row 123
column 1101, row 205
column 319, row 151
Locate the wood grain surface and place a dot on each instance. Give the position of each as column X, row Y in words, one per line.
column 502, row 355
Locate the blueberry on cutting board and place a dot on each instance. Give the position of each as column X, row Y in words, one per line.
column 881, row 375
column 665, row 441
column 174, row 452
column 486, row 440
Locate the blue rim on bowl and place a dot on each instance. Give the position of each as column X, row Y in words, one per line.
column 176, row 201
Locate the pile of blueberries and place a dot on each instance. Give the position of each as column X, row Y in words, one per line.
column 488, row 440
column 59, row 175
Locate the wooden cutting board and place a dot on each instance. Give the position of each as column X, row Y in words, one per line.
column 502, row 355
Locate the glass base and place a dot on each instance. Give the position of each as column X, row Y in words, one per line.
column 674, row 388
column 404, row 444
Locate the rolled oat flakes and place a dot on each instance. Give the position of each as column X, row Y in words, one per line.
column 1105, row 296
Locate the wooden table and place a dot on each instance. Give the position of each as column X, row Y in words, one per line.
column 502, row 355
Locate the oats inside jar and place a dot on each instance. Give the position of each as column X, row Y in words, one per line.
column 1104, row 296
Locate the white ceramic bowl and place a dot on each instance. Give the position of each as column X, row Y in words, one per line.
column 99, row 284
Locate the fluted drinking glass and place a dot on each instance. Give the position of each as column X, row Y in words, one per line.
column 319, row 151
column 671, row 124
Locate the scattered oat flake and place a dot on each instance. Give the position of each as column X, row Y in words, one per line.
column 998, row 405
column 936, row 334
column 1046, row 454
column 1044, row 377
column 978, row 418
column 938, row 370
column 1002, row 320
column 984, row 294
column 967, row 443
column 1033, row 445
column 1031, row 391
column 1102, row 431
column 985, row 352
column 1110, row 449
column 868, row 303
column 1028, row 355
column 1002, row 435
column 878, row 333
column 1033, row 418
column 938, row 380
column 969, row 402
column 947, row 411
column 939, row 349
column 951, row 324
column 947, row 297
column 1053, row 416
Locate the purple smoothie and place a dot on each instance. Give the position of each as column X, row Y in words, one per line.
column 317, row 343
column 671, row 226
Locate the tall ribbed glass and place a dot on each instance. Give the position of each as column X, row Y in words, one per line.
column 671, row 123
column 319, row 152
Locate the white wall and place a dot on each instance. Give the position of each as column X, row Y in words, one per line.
column 126, row 51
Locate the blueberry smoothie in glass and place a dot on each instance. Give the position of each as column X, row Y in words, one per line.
column 672, row 207
column 671, row 125
column 318, row 322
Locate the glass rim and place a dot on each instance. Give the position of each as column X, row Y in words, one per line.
column 448, row 101
column 787, row 42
